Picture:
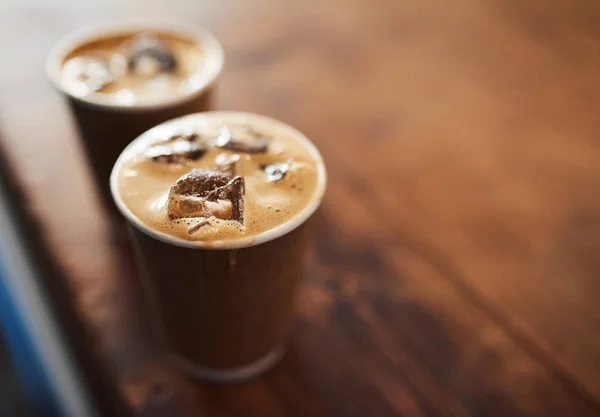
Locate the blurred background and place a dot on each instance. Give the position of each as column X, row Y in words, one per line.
column 456, row 267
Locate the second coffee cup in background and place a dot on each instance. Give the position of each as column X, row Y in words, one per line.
column 120, row 80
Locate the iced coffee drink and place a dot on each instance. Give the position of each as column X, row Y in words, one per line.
column 219, row 203
column 122, row 80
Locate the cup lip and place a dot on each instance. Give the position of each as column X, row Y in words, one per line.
column 212, row 46
column 238, row 243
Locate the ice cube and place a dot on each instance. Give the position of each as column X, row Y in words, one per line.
column 149, row 56
column 185, row 206
column 225, row 162
column 178, row 148
column 204, row 193
column 222, row 209
column 89, row 73
column 276, row 172
column 179, row 152
column 250, row 142
column 234, row 192
column 200, row 182
column 188, row 135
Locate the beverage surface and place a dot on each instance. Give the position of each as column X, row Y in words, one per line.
column 217, row 176
column 138, row 67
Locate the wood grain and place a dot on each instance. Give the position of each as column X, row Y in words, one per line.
column 455, row 271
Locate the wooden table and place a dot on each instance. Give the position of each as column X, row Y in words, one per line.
column 455, row 271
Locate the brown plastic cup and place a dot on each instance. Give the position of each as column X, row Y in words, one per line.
column 107, row 126
column 225, row 308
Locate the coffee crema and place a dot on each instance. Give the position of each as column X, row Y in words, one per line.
column 217, row 176
column 134, row 67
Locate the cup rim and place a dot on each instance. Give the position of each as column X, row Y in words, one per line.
column 242, row 242
column 211, row 45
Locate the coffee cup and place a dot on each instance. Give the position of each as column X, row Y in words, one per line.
column 122, row 79
column 223, row 293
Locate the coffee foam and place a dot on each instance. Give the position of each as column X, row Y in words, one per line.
column 143, row 185
column 198, row 55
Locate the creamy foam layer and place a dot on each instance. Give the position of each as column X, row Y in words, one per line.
column 271, row 199
column 145, row 85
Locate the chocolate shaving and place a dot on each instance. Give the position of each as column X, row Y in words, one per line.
column 254, row 144
column 233, row 191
